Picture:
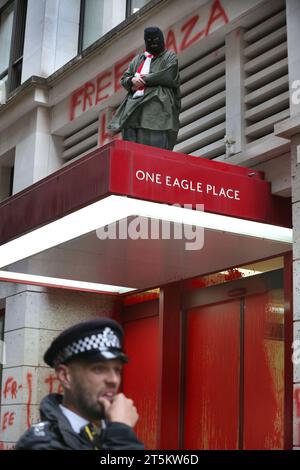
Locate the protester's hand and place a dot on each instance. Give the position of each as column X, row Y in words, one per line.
column 137, row 82
column 121, row 410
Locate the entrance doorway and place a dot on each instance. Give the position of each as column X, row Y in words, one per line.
column 234, row 365
column 229, row 369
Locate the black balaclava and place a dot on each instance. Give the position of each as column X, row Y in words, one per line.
column 154, row 40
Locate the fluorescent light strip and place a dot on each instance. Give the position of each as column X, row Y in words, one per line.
column 114, row 208
column 81, row 222
column 63, row 283
column 210, row 221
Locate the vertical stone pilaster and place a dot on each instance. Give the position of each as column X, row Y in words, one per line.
column 295, row 146
column 38, row 153
column 293, row 41
column 51, row 37
column 235, row 106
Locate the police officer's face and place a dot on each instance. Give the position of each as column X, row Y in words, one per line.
column 87, row 382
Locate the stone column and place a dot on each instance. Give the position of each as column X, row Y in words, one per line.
column 293, row 38
column 235, row 106
column 38, row 153
column 51, row 37
column 295, row 148
column 293, row 41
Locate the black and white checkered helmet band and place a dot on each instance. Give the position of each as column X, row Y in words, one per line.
column 101, row 342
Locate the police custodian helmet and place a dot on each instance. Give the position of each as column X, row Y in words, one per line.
column 100, row 339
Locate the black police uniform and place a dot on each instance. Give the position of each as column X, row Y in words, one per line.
column 55, row 433
column 99, row 339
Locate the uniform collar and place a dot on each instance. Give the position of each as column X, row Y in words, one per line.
column 76, row 421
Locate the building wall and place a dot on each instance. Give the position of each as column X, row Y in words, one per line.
column 63, row 116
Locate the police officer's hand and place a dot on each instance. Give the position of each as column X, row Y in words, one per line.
column 121, row 410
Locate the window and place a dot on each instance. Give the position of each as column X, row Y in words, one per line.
column 12, row 27
column 7, row 174
column 134, row 5
column 6, row 24
column 97, row 17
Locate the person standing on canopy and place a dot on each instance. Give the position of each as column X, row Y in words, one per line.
column 150, row 112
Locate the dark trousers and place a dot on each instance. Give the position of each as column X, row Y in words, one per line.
column 158, row 139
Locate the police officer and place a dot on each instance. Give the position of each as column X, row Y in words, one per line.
column 91, row 414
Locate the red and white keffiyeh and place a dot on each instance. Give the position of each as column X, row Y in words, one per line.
column 143, row 69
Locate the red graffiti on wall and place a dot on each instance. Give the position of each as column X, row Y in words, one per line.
column 107, row 83
column 94, row 92
column 53, row 383
column 104, row 136
column 8, row 419
column 189, row 31
column 5, row 446
column 11, row 389
column 297, row 401
column 28, row 404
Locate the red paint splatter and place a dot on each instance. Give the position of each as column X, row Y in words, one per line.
column 28, row 404
column 10, row 387
column 217, row 12
column 51, row 380
column 297, row 401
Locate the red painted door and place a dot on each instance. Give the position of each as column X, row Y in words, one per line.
column 234, row 371
column 212, row 377
column 264, row 371
column 140, row 378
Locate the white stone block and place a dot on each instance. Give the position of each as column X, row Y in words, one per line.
column 22, row 347
column 52, row 9
column 67, row 42
column 296, row 289
column 19, row 386
column 32, row 64
column 15, row 419
column 45, row 339
column 59, row 310
column 19, row 312
column 296, row 183
column 47, row 383
column 53, row 310
column 296, row 230
column 33, row 38
column 28, row 385
column 48, row 57
column 296, row 337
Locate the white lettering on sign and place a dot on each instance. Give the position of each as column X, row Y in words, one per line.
column 146, row 176
column 188, row 185
column 221, row 191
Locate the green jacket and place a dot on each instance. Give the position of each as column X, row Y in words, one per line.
column 159, row 108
